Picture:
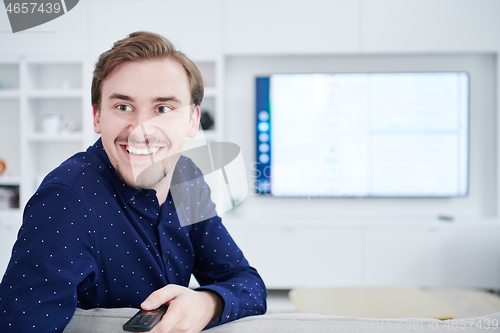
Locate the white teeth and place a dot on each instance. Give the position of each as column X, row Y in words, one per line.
column 145, row 151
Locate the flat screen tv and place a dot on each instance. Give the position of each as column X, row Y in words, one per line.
column 362, row 135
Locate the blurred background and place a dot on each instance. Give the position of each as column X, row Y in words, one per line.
column 308, row 241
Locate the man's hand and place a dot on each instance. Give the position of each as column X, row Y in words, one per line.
column 188, row 310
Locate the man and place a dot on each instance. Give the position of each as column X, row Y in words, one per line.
column 103, row 229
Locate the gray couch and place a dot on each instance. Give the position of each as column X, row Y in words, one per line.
column 476, row 311
column 111, row 321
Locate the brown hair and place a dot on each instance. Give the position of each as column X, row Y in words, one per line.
column 144, row 46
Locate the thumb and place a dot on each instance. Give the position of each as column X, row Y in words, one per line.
column 159, row 297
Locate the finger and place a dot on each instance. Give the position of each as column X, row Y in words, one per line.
column 170, row 319
column 159, row 297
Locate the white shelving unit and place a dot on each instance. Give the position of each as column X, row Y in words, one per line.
column 10, row 179
column 31, row 91
column 54, row 107
column 212, row 71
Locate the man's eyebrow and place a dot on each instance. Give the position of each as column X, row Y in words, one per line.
column 121, row 96
column 166, row 99
column 154, row 100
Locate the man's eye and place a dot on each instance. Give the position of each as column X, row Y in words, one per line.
column 164, row 109
column 123, row 107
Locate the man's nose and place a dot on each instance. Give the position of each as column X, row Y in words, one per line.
column 144, row 125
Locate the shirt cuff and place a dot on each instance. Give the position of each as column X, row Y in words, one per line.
column 230, row 307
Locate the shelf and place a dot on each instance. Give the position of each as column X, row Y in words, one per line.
column 208, row 69
column 11, row 218
column 9, row 93
column 55, row 94
column 61, row 137
column 9, row 197
column 10, row 181
column 9, row 76
column 210, row 92
column 58, row 76
column 10, row 145
column 10, row 212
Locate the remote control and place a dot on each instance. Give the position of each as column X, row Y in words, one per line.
column 145, row 320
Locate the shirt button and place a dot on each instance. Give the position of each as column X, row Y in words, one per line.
column 167, row 261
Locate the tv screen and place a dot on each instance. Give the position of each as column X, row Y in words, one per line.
column 362, row 135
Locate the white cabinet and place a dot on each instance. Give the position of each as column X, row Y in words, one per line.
column 290, row 27
column 193, row 26
column 430, row 26
column 455, row 257
column 260, row 27
column 43, row 106
column 311, row 255
column 302, row 257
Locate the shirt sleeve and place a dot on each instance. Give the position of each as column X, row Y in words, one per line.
column 52, row 259
column 220, row 266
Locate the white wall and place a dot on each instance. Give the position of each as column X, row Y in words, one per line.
column 327, row 242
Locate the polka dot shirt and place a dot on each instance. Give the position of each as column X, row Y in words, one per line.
column 90, row 241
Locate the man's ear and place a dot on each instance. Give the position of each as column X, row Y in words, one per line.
column 97, row 120
column 194, row 122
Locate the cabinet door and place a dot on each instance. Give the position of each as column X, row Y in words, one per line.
column 284, row 26
column 433, row 258
column 194, row 26
column 428, row 25
column 289, row 258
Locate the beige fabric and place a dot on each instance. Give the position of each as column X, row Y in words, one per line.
column 371, row 302
column 468, row 303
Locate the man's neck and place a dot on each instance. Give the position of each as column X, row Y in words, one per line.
column 162, row 188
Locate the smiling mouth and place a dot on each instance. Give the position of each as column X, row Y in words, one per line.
column 142, row 151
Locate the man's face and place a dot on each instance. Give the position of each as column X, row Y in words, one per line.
column 145, row 118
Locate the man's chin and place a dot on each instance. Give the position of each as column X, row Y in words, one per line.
column 147, row 178
column 127, row 180
column 149, row 182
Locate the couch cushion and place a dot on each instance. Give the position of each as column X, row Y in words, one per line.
column 111, row 321
column 99, row 320
column 303, row 322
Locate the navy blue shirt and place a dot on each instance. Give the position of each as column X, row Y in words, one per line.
column 88, row 240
